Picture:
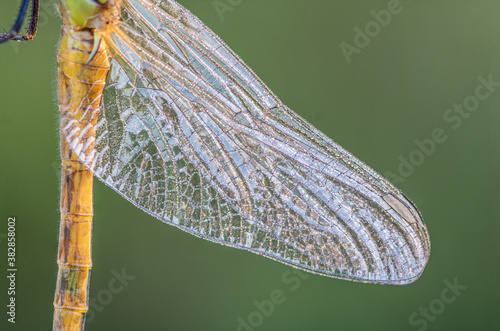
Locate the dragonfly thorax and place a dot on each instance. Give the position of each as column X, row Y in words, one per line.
column 93, row 14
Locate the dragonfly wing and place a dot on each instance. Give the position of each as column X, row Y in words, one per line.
column 191, row 135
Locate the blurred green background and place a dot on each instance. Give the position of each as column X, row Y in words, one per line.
column 394, row 91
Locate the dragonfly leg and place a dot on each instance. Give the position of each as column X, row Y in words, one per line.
column 14, row 31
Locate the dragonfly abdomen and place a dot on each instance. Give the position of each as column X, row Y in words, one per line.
column 82, row 71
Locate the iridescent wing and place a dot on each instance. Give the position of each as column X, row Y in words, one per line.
column 188, row 133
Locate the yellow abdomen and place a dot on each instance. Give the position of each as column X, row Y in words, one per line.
column 81, row 80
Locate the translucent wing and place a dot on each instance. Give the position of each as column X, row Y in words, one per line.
column 190, row 134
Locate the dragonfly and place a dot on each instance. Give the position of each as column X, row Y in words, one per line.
column 156, row 106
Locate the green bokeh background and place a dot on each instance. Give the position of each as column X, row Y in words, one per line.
column 395, row 91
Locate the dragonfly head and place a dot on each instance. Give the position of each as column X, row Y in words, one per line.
column 91, row 14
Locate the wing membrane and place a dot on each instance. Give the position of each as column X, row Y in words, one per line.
column 191, row 135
